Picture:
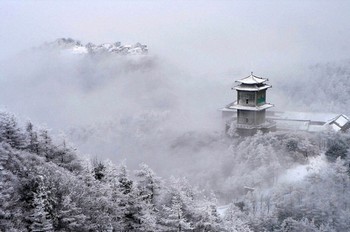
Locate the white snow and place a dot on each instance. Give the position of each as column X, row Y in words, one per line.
column 222, row 210
column 342, row 120
column 299, row 172
column 75, row 47
column 309, row 121
column 335, row 127
column 251, row 87
column 311, row 116
column 79, row 50
column 252, row 80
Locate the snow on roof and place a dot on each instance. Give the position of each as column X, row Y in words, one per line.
column 311, row 121
column 292, row 125
column 341, row 120
column 243, row 87
column 310, row 116
column 335, row 127
column 252, row 80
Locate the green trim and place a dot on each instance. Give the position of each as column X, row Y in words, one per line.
column 261, row 100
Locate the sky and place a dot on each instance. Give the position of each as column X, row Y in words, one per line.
column 200, row 36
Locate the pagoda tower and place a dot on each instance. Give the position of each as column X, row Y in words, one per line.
column 251, row 105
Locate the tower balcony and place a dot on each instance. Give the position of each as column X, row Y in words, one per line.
column 237, row 106
column 266, row 125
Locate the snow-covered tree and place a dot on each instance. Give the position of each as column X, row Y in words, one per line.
column 32, row 139
column 235, row 220
column 10, row 132
column 45, row 144
column 289, row 224
column 148, row 184
column 208, row 217
column 40, row 218
column 175, row 219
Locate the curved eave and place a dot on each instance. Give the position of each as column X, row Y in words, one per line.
column 251, row 108
column 251, row 88
column 249, row 80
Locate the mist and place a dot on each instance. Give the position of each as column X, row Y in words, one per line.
column 162, row 108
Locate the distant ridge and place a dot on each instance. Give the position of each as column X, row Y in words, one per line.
column 76, row 47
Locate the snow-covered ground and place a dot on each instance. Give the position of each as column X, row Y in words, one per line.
column 222, row 210
column 297, row 173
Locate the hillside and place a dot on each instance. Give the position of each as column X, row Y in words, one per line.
column 50, row 187
column 47, row 187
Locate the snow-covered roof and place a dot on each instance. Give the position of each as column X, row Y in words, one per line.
column 309, row 116
column 244, row 87
column 252, row 79
column 292, row 125
column 341, row 122
column 311, row 121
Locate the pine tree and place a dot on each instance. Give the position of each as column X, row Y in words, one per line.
column 32, row 139
column 40, row 218
column 71, row 216
column 6, row 190
column 208, row 217
column 45, row 144
column 125, row 184
column 128, row 201
column 110, row 181
column 174, row 216
column 10, row 132
column 289, row 224
column 235, row 221
column 148, row 184
column 65, row 156
column 95, row 201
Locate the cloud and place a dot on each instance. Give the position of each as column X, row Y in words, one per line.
column 162, row 108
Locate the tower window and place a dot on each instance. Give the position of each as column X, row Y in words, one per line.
column 246, row 101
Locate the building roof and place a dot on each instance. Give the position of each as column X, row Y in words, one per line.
column 310, row 121
column 244, row 87
column 301, row 116
column 341, row 122
column 249, row 80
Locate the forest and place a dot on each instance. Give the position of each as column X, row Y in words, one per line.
column 47, row 186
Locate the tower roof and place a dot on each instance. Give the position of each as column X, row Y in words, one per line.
column 249, row 80
column 253, row 88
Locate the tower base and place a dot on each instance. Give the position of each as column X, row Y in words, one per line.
column 233, row 127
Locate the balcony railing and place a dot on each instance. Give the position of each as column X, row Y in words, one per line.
column 265, row 125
